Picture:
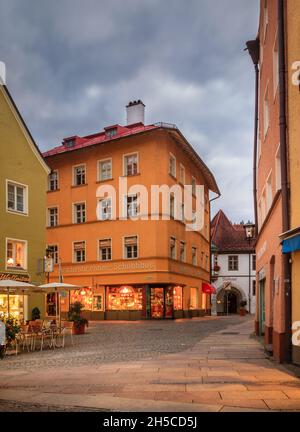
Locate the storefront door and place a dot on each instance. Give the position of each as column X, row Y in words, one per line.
column 157, row 303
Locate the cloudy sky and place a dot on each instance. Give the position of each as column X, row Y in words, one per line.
column 72, row 66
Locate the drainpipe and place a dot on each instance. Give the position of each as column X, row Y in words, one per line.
column 253, row 48
column 286, row 354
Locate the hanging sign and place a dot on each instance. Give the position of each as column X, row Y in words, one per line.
column 48, row 265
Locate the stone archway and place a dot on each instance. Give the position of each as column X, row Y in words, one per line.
column 228, row 299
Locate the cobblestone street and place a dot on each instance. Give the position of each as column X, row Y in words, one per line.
column 203, row 364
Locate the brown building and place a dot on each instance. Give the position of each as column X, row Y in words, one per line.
column 130, row 269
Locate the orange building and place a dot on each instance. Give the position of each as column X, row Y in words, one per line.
column 130, row 269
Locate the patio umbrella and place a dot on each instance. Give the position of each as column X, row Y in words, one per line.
column 58, row 287
column 11, row 286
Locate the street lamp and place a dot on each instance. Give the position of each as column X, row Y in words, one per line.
column 249, row 230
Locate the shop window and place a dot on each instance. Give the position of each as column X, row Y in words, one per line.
column 16, row 254
column 16, row 197
column 52, row 217
column 193, row 298
column 105, row 249
column 177, row 296
column 97, row 302
column 131, row 202
column 53, row 252
column 79, row 251
column 79, row 175
column 84, row 296
column 172, row 165
column 105, row 209
column 53, row 181
column 172, row 247
column 16, row 306
column 105, row 169
column 131, row 164
column 233, row 263
column 79, row 213
column 124, row 298
column 130, row 247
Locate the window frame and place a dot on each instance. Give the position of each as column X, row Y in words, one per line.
column 172, row 157
column 111, row 209
column 25, row 188
column 175, row 248
column 99, row 249
column 194, row 248
column 181, row 242
column 14, row 240
column 73, row 251
column 125, row 248
column 75, row 212
column 48, row 216
column 99, row 171
column 55, row 252
column 181, row 170
column 229, row 262
column 57, row 181
column 125, row 156
column 74, row 167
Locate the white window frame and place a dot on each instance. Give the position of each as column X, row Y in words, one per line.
column 238, row 262
column 51, row 245
column 74, row 174
column 73, row 251
column 101, row 208
column 175, row 247
column 48, row 217
column 172, row 157
column 99, row 250
column 135, row 206
column 125, row 156
column 57, row 180
column 14, row 240
column 99, row 162
column 74, row 212
column 124, row 247
column 25, row 211
column 266, row 113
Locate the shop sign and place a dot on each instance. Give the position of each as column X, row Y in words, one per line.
column 2, row 333
column 15, row 277
column 110, row 267
column 48, row 264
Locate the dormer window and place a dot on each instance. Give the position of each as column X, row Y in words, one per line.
column 69, row 143
column 109, row 133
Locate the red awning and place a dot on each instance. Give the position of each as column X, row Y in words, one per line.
column 208, row 289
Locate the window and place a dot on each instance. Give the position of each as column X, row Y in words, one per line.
column 131, row 205
column 266, row 113
column 109, row 133
column 269, row 194
column 182, row 174
column 79, row 213
column 253, row 262
column 105, row 169
column 233, row 263
column 172, row 165
column 52, row 217
column 266, row 19
column 131, row 164
column 105, row 209
column 79, row 251
column 53, row 252
column 254, row 288
column 16, row 254
column 275, row 66
column 193, row 298
column 130, row 247
column 53, row 181
column 278, row 170
column 16, row 197
column 194, row 256
column 124, row 298
column 193, row 186
column 182, row 212
column 182, row 251
column 79, row 175
column 172, row 205
column 172, row 248
column 105, row 250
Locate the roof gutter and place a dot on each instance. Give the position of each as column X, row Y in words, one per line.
column 287, row 354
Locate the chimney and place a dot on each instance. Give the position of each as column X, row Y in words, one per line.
column 135, row 112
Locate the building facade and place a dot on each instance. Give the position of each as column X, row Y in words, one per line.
column 233, row 267
column 23, row 180
column 276, row 174
column 129, row 264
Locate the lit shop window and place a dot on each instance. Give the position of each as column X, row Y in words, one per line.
column 16, row 306
column 79, row 175
column 131, row 164
column 105, row 249
column 177, row 296
column 124, row 298
column 105, row 169
column 84, row 296
column 53, row 181
column 16, row 198
column 193, row 298
column 130, row 247
column 16, row 254
column 79, row 251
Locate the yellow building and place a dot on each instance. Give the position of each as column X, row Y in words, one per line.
column 23, row 184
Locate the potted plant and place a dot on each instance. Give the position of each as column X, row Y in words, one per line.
column 35, row 314
column 243, row 310
column 74, row 315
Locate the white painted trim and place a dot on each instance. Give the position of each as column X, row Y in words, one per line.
column 73, row 254
column 47, row 216
column 25, row 268
column 138, row 162
column 98, row 249
column 138, row 246
column 25, row 186
column 99, row 171
column 73, row 173
column 73, row 212
column 57, row 171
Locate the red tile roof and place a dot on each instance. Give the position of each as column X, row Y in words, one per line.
column 229, row 237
